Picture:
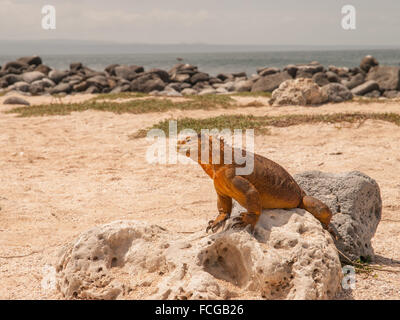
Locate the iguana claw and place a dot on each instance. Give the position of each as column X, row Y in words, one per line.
column 215, row 226
column 243, row 220
column 218, row 223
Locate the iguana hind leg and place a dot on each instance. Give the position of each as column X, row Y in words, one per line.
column 225, row 208
column 318, row 209
column 252, row 204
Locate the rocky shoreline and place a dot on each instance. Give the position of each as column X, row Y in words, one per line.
column 29, row 76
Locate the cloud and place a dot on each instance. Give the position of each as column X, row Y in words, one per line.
column 222, row 22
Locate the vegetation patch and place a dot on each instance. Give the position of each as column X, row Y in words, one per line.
column 261, row 124
column 252, row 94
column 137, row 106
column 121, row 95
column 364, row 100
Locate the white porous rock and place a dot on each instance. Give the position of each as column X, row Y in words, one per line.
column 300, row 92
column 289, row 256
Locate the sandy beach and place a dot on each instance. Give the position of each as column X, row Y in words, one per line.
column 62, row 175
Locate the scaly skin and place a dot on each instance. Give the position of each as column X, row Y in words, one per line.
column 269, row 186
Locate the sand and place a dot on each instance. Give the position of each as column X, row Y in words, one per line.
column 62, row 175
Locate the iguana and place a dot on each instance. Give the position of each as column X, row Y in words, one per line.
column 269, row 186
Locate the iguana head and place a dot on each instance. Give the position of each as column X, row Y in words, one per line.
column 196, row 146
column 186, row 144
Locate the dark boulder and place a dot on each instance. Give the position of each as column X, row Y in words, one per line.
column 43, row 69
column 175, row 86
column 312, row 68
column 99, row 81
column 14, row 67
column 337, row 92
column 111, row 69
column 88, row 72
column 15, row 71
column 147, row 83
column 332, row 76
column 367, row 63
column 320, row 79
column 355, row 71
column 267, row 71
column 12, row 78
column 243, row 85
column 271, row 82
column 180, row 77
column 21, row 86
column 117, row 89
column 365, row 88
column 137, row 69
column 303, row 74
column 225, row 76
column 201, row 85
column 57, row 75
column 182, row 72
column 391, row 94
column 3, row 83
column 185, row 85
column 388, row 78
column 16, row 100
column 214, row 80
column 162, row 74
column 343, row 72
column 183, row 68
column 354, row 81
column 38, row 87
column 61, row 88
column 93, row 90
column 199, row 77
column 32, row 76
column 126, row 72
column 112, row 83
column 34, row 60
column 75, row 66
column 239, row 74
column 80, row 87
column 73, row 79
column 291, row 69
column 373, row 94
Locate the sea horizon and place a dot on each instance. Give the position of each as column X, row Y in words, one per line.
column 217, row 61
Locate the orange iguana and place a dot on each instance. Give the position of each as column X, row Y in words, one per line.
column 269, row 186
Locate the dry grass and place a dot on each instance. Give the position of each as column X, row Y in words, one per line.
column 261, row 124
column 252, row 94
column 254, row 103
column 206, row 102
column 364, row 100
column 121, row 95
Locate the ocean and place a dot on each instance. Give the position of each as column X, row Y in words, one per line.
column 220, row 62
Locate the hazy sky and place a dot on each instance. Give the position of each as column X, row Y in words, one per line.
column 265, row 22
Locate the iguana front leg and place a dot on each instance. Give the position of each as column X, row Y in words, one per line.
column 224, row 204
column 253, row 204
